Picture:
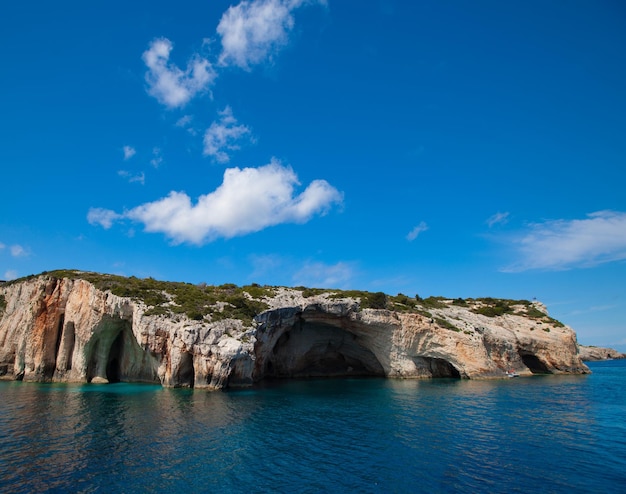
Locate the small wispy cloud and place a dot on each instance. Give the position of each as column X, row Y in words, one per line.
column 157, row 157
column 263, row 264
column 498, row 218
column 18, row 251
column 222, row 136
column 10, row 274
column 253, row 31
column 414, row 233
column 319, row 274
column 249, row 200
column 595, row 308
column 103, row 217
column 185, row 122
column 136, row 177
column 567, row 244
column 129, row 152
column 170, row 85
column 2, row 246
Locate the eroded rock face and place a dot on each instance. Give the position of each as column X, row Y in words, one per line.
column 595, row 353
column 67, row 330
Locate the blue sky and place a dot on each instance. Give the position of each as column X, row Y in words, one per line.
column 464, row 149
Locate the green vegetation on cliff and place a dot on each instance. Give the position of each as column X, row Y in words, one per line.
column 169, row 297
column 494, row 307
column 230, row 301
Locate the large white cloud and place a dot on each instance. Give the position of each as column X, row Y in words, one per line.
column 249, row 200
column 252, row 31
column 222, row 136
column 566, row 244
column 169, row 84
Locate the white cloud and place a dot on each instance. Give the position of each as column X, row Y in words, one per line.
column 129, row 152
column 169, row 84
column 498, row 218
column 2, row 246
column 157, row 157
column 18, row 251
column 184, row 121
column 412, row 235
column 566, row 244
column 102, row 217
column 139, row 177
column 248, row 200
column 321, row 275
column 10, row 274
column 222, row 136
column 252, row 31
column 595, row 308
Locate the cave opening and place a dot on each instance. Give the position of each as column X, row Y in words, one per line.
column 432, row 367
column 534, row 364
column 114, row 355
column 70, row 340
column 321, row 350
column 113, row 368
column 186, row 373
column 57, row 344
column 51, row 349
column 442, row 368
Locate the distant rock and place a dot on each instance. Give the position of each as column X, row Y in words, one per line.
column 63, row 328
column 595, row 353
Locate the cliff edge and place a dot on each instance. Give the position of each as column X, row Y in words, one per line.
column 72, row 326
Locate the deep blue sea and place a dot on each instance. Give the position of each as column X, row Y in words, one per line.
column 559, row 434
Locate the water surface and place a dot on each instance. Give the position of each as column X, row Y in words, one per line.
column 540, row 434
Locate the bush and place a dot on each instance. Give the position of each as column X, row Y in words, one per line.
column 446, row 324
column 402, row 302
column 494, row 307
column 257, row 291
column 376, row 300
column 434, row 302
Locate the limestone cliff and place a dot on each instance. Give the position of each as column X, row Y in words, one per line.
column 594, row 353
column 66, row 329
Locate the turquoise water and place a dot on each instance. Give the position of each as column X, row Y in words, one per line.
column 539, row 434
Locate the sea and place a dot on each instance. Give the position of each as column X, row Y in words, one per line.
column 540, row 434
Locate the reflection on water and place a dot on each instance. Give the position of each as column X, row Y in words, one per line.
column 543, row 434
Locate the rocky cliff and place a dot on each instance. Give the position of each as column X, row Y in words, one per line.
column 66, row 328
column 595, row 353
